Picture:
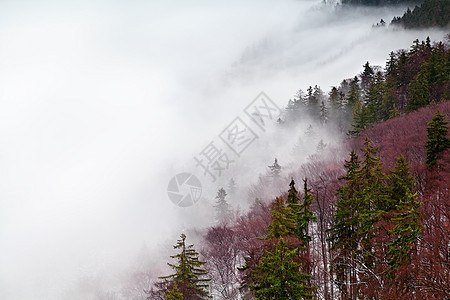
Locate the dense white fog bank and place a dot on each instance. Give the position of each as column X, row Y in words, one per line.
column 102, row 102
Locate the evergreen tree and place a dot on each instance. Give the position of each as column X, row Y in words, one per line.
column 282, row 220
column 189, row 275
column 400, row 183
column 366, row 76
column 361, row 203
column 374, row 98
column 354, row 94
column 391, row 64
column 336, row 101
column 345, row 228
column 406, row 218
column 360, row 118
column 305, row 216
column 231, row 186
column 320, row 146
column 437, row 138
column 419, row 90
column 310, row 134
column 278, row 276
column 222, row 206
column 323, row 115
column 405, row 232
column 275, row 169
column 292, row 197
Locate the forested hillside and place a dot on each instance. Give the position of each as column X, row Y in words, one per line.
column 431, row 13
column 374, row 2
column 371, row 224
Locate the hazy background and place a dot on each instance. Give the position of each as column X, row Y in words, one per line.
column 102, row 102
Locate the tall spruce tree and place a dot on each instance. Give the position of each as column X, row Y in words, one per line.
column 406, row 219
column 437, row 138
column 353, row 95
column 323, row 115
column 345, row 228
column 400, row 183
column 406, row 231
column 374, row 97
column 278, row 276
column 275, row 169
column 190, row 277
column 222, row 206
column 419, row 90
column 361, row 118
column 282, row 220
column 304, row 215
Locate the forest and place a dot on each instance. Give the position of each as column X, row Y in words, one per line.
column 429, row 13
column 373, row 224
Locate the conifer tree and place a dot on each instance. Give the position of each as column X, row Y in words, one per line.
column 323, row 115
column 360, row 118
column 320, row 146
column 419, row 90
column 366, row 76
column 437, row 138
column 345, row 228
column 408, row 227
column 278, row 276
column 374, row 98
column 305, row 216
column 222, row 207
column 353, row 95
column 282, row 220
column 400, row 183
column 189, row 275
column 275, row 169
column 292, row 197
column 335, row 99
column 406, row 218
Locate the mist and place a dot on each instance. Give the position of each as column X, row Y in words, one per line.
column 103, row 102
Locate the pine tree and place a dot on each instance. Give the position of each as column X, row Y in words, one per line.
column 366, row 76
column 360, row 118
column 278, row 276
column 282, row 220
column 335, row 99
column 437, row 138
column 400, row 183
column 222, row 207
column 374, row 98
column 189, row 275
column 292, row 197
column 323, row 115
column 353, row 95
column 305, row 216
column 406, row 231
column 419, row 90
column 345, row 228
column 275, row 169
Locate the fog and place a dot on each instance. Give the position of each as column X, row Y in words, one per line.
column 102, row 102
